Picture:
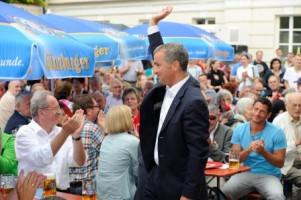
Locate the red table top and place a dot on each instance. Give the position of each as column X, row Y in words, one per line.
column 217, row 172
column 68, row 196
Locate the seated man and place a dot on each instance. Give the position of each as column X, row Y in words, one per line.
column 46, row 148
column 220, row 135
column 92, row 136
column 262, row 147
column 21, row 114
column 290, row 122
column 8, row 160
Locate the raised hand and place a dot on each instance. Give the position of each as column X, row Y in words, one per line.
column 101, row 119
column 70, row 125
column 154, row 20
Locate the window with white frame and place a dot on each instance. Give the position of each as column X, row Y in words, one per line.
column 290, row 34
column 204, row 21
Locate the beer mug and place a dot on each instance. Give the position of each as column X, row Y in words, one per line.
column 7, row 183
column 49, row 188
column 89, row 189
column 234, row 159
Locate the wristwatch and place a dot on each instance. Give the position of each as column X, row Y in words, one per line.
column 76, row 139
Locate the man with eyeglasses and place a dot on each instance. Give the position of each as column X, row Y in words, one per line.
column 46, row 148
column 92, row 136
column 220, row 135
column 290, row 122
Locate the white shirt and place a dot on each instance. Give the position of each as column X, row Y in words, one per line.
column 291, row 76
column 168, row 99
column 285, row 122
column 34, row 152
column 252, row 72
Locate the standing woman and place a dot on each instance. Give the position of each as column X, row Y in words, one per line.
column 275, row 70
column 118, row 159
column 246, row 73
column 216, row 77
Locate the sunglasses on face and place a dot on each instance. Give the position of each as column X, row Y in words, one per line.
column 212, row 117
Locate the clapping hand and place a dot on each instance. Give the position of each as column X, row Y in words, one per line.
column 101, row 119
column 27, row 187
column 258, row 146
column 159, row 16
column 74, row 124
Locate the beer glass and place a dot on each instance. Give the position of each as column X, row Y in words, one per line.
column 234, row 159
column 49, row 188
column 89, row 189
column 7, row 183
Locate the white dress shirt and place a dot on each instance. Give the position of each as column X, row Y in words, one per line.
column 292, row 131
column 168, row 99
column 34, row 152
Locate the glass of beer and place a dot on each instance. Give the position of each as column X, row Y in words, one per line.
column 234, row 159
column 7, row 183
column 49, row 188
column 89, row 189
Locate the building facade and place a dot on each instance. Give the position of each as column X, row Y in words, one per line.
column 260, row 24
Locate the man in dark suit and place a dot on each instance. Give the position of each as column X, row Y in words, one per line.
column 174, row 125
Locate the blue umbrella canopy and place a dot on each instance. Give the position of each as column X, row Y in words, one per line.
column 29, row 49
column 199, row 43
column 104, row 39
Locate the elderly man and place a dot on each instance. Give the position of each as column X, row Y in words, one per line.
column 46, row 148
column 257, row 88
column 290, row 122
column 115, row 97
column 262, row 148
column 101, row 100
column 243, row 112
column 220, row 135
column 21, row 114
column 92, row 136
column 7, row 102
column 274, row 91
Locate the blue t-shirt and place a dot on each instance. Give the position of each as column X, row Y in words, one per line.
column 274, row 139
column 234, row 69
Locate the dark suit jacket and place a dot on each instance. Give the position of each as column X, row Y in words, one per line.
column 221, row 143
column 182, row 142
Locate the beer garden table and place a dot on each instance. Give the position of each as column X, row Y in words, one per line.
column 219, row 172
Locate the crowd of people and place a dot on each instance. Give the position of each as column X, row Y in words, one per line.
column 147, row 133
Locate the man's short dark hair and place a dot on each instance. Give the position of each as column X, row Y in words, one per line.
column 264, row 101
column 83, row 102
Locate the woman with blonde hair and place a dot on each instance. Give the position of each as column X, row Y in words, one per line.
column 118, row 159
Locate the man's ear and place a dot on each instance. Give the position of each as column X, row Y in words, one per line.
column 269, row 115
column 176, row 65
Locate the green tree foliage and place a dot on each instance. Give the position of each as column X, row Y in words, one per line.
column 34, row 2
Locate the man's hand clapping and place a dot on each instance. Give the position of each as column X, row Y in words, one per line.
column 74, row 124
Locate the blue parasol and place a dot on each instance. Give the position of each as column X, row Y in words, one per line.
column 29, row 49
column 104, row 39
column 199, row 43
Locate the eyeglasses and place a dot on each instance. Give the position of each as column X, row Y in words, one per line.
column 212, row 117
column 54, row 108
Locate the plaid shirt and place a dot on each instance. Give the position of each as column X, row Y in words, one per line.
column 92, row 137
